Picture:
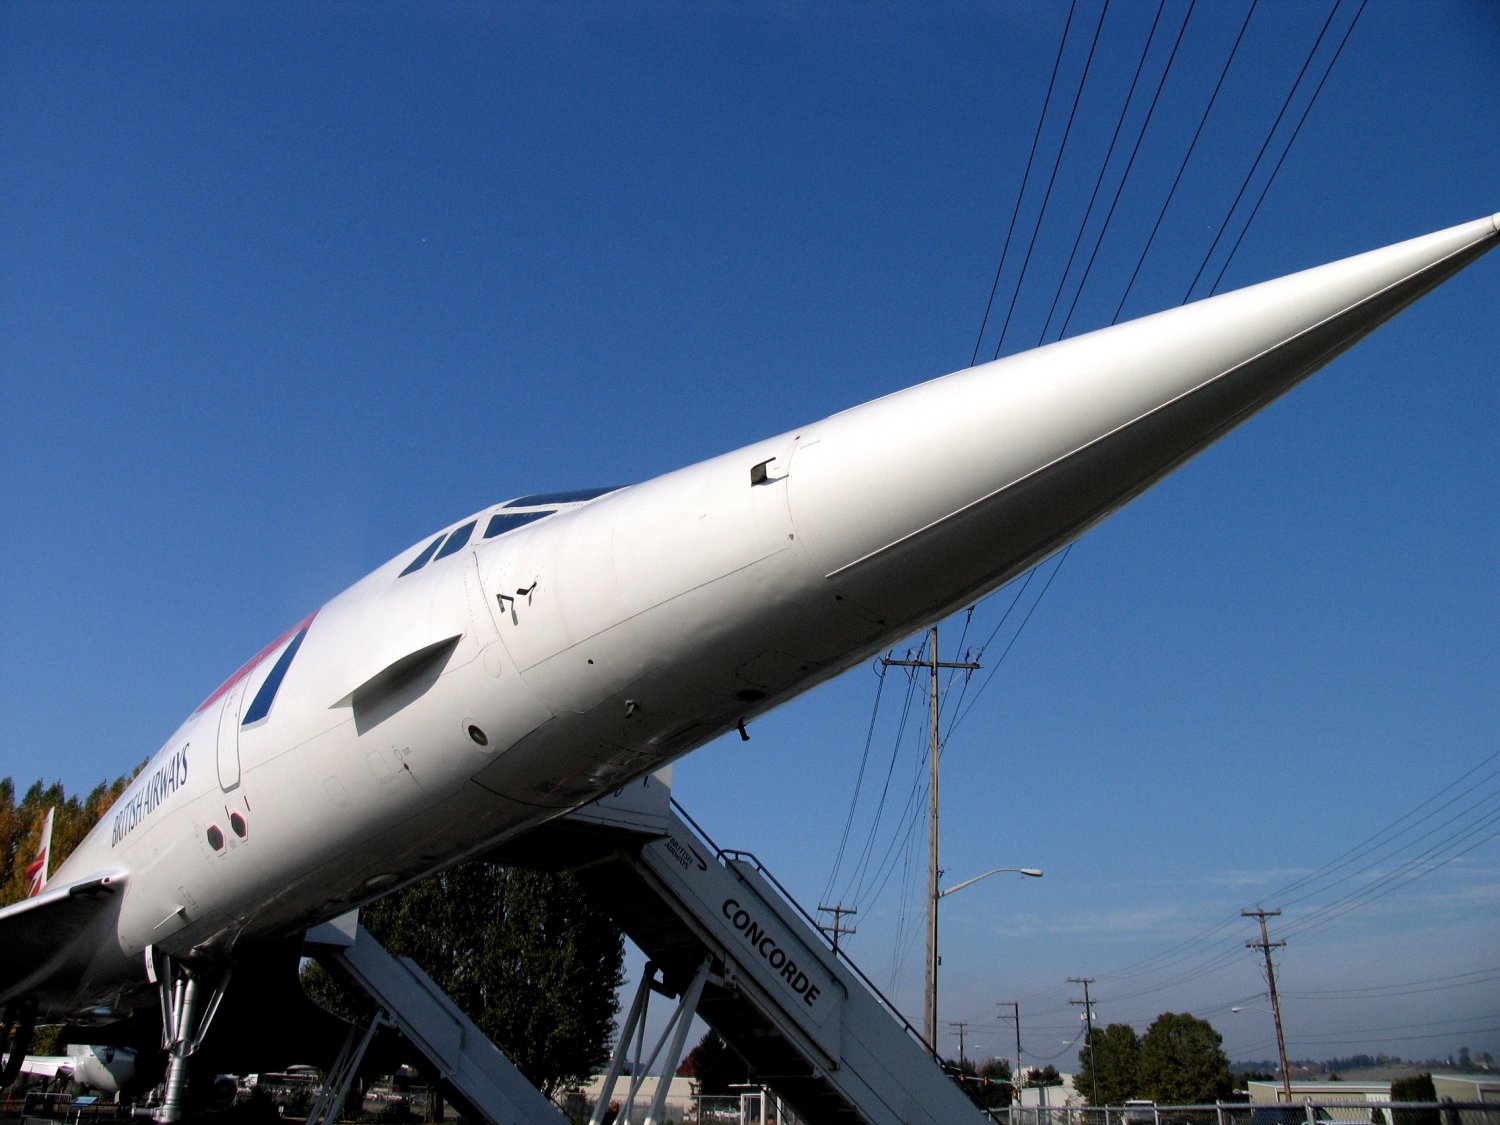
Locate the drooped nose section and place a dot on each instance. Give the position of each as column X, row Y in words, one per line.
column 916, row 503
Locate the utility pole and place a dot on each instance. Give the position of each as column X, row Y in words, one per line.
column 1015, row 1016
column 838, row 926
column 1088, row 1016
column 1265, row 945
column 929, row 1007
column 960, row 1032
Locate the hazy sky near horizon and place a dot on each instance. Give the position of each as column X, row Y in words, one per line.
column 284, row 287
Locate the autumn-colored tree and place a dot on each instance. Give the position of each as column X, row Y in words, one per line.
column 21, row 826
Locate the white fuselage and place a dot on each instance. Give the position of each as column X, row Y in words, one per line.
column 428, row 714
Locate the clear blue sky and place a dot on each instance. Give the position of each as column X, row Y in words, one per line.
column 283, row 287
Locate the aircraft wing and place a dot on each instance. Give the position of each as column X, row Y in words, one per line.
column 46, row 1066
column 38, row 932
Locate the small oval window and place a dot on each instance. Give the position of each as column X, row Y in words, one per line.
column 215, row 837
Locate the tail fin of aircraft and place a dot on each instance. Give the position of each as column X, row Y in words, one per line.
column 39, row 868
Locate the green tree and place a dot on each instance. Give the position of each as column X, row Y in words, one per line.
column 1417, row 1088
column 1109, row 1065
column 714, row 1066
column 1182, row 1061
column 988, row 1085
column 1043, row 1076
column 524, row 954
column 994, row 1089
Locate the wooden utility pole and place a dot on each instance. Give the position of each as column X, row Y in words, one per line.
column 1265, row 945
column 1088, row 1018
column 959, row 1031
column 929, row 1006
column 838, row 927
column 1016, row 1016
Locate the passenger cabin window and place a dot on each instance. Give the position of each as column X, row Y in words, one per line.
column 501, row 522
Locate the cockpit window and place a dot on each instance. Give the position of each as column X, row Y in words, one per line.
column 576, row 497
column 501, row 522
column 422, row 560
column 457, row 540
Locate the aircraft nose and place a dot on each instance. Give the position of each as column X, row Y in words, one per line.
column 914, row 504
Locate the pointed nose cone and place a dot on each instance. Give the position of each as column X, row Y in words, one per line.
column 914, row 504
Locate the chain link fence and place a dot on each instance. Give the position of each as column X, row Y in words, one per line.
column 1245, row 1113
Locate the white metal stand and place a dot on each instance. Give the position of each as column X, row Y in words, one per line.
column 326, row 1109
column 634, row 1031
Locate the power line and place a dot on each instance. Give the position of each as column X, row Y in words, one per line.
column 1052, row 180
column 1025, row 179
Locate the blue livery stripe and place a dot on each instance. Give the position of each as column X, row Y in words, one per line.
column 260, row 707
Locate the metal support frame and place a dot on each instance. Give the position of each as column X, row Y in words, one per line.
column 325, row 1110
column 185, row 1018
column 634, row 1029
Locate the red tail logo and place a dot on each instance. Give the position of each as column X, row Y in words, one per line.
column 38, row 869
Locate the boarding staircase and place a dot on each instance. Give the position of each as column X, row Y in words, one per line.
column 727, row 940
column 724, row 941
column 473, row 1071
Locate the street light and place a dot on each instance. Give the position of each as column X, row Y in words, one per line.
column 1031, row 871
column 929, row 1015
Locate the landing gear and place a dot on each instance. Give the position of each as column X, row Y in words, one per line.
column 189, row 995
column 15, row 1038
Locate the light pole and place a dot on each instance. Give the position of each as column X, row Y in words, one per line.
column 929, row 1015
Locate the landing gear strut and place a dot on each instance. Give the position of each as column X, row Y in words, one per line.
column 15, row 1038
column 189, row 996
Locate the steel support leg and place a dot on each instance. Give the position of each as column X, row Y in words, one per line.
column 326, row 1109
column 189, row 999
column 634, row 1028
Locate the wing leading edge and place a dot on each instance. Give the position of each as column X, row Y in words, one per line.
column 40, row 934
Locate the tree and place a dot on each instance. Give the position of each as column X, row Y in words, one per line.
column 1182, row 1061
column 996, row 1092
column 987, row 1086
column 21, row 826
column 1417, row 1088
column 1043, row 1076
column 1109, row 1066
column 714, row 1066
column 522, row 953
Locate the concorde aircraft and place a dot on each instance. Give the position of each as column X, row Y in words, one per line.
column 535, row 655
